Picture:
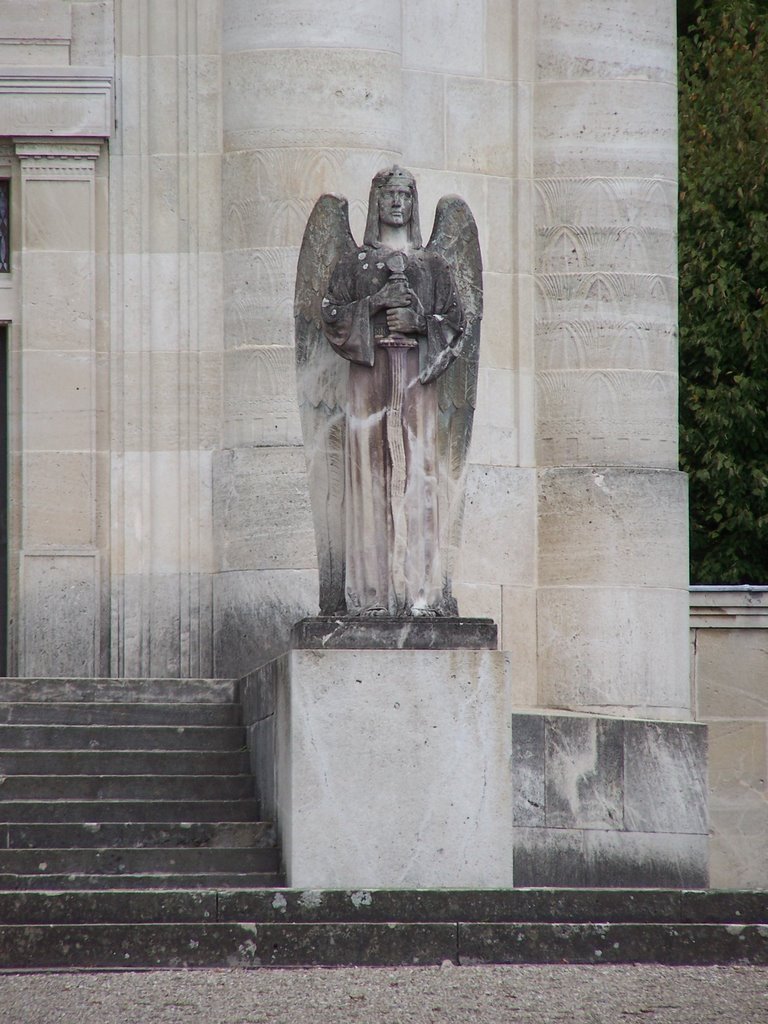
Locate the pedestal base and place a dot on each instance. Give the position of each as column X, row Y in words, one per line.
column 412, row 769
column 391, row 767
column 328, row 633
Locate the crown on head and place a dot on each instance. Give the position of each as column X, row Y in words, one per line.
column 395, row 176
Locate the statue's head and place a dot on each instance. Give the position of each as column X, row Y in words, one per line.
column 393, row 200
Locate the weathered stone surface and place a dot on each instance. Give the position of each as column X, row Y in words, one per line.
column 429, row 725
column 124, row 691
column 250, row 927
column 200, row 834
column 611, row 858
column 261, row 508
column 32, row 908
column 731, row 667
column 529, row 801
column 598, row 801
column 253, row 614
column 612, row 526
column 612, row 943
column 225, row 945
column 653, row 859
column 138, row 810
column 556, row 905
column 665, row 777
column 584, row 773
column 379, row 633
column 616, row 650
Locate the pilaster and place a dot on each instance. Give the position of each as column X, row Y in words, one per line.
column 60, row 490
column 166, row 334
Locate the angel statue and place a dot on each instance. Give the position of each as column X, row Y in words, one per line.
column 387, row 337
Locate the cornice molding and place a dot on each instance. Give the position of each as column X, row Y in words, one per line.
column 56, row 103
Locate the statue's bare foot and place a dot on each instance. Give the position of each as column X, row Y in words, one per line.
column 373, row 612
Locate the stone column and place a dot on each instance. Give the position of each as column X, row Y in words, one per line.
column 58, row 410
column 612, row 509
column 312, row 103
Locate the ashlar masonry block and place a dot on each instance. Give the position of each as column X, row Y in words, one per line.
column 392, row 767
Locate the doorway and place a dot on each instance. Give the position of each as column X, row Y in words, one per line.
column 3, row 499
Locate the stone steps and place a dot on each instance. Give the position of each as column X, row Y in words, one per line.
column 126, row 810
column 102, row 737
column 123, row 762
column 286, row 927
column 153, row 881
column 128, row 785
column 121, row 691
column 113, row 713
column 137, row 860
column 102, row 835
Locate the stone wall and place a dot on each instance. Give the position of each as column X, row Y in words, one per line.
column 160, row 520
column 56, row 112
column 729, row 638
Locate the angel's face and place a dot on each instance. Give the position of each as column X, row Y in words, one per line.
column 395, row 205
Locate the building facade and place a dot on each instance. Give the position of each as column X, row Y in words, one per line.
column 163, row 157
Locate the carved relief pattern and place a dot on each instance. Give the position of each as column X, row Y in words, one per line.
column 259, row 303
column 606, row 295
column 277, row 188
column 261, row 404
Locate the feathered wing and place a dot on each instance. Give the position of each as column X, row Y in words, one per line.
column 322, row 379
column 454, row 236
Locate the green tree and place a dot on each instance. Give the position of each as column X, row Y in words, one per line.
column 724, row 289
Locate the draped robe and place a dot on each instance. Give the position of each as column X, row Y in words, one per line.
column 392, row 557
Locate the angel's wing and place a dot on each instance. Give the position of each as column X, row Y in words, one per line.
column 322, row 378
column 454, row 236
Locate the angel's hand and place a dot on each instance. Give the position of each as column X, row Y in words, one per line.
column 406, row 321
column 394, row 295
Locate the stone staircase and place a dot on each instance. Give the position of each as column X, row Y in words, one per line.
column 129, row 838
column 128, row 784
column 289, row 927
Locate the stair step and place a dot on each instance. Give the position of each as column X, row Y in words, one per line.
column 423, row 906
column 123, row 762
column 124, row 787
column 106, row 713
column 180, row 945
column 162, row 691
column 160, row 738
column 152, row 880
column 128, row 810
column 200, row 924
column 137, row 861
column 107, row 905
column 208, row 835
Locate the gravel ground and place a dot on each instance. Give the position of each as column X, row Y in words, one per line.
column 421, row 995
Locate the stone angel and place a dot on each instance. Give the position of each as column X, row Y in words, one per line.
column 387, row 340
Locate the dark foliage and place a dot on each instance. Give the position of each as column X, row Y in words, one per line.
column 724, row 289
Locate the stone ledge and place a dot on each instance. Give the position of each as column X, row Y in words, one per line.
column 742, row 607
column 384, row 633
column 343, row 943
column 57, row 102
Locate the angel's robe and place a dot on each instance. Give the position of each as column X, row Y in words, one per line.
column 392, row 541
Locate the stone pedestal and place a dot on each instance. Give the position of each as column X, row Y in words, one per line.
column 415, row 769
column 390, row 767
